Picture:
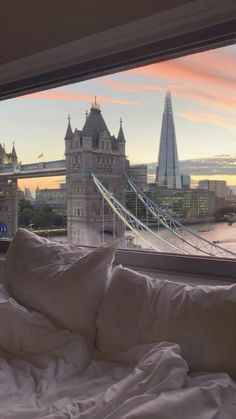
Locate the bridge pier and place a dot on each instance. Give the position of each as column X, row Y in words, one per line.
column 8, row 208
column 94, row 232
column 89, row 217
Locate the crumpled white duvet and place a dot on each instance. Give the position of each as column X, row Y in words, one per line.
column 56, row 375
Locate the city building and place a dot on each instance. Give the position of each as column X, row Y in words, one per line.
column 28, row 195
column 186, row 205
column 56, row 198
column 186, row 181
column 138, row 173
column 89, row 217
column 20, row 194
column 167, row 172
column 55, row 45
column 218, row 186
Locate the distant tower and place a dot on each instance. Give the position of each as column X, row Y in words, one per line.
column 121, row 138
column 13, row 155
column 168, row 175
column 93, row 147
column 8, row 158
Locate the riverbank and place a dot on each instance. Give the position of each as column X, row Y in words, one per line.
column 52, row 232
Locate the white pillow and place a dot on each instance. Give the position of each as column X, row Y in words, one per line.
column 14, row 320
column 58, row 280
column 18, row 326
column 26, row 333
column 202, row 319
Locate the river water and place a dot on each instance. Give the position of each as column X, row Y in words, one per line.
column 221, row 233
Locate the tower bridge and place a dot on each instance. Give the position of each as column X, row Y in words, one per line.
column 91, row 147
column 95, row 164
column 33, row 170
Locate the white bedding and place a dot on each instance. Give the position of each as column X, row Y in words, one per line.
column 56, row 375
column 47, row 371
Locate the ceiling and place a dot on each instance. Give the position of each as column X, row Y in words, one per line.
column 45, row 44
column 28, row 27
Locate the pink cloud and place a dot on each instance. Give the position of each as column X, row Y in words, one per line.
column 209, row 97
column 203, row 95
column 128, row 86
column 67, row 95
column 210, row 118
column 206, row 78
column 118, row 85
column 217, row 60
column 184, row 70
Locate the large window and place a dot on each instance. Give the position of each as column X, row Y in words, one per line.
column 147, row 155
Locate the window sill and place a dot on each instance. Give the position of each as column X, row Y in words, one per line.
column 178, row 268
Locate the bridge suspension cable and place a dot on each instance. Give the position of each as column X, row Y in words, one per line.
column 187, row 236
column 156, row 242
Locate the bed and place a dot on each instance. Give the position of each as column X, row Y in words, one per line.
column 81, row 339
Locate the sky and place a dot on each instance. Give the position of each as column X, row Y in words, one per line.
column 203, row 88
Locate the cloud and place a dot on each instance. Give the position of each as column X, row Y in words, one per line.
column 193, row 69
column 220, row 165
column 68, row 95
column 128, row 86
column 207, row 78
column 220, row 59
column 118, row 85
column 217, row 165
column 200, row 78
column 225, row 165
column 210, row 118
column 208, row 97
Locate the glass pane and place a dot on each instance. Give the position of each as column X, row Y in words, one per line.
column 150, row 159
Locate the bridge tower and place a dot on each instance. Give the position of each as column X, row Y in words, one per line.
column 93, row 147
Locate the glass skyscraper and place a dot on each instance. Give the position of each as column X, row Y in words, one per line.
column 168, row 175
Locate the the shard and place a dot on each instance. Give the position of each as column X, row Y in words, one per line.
column 168, row 175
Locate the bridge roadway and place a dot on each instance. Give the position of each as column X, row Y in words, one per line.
column 33, row 170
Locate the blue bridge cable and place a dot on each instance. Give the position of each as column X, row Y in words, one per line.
column 163, row 217
column 122, row 212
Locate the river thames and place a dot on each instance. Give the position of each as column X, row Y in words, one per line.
column 221, row 233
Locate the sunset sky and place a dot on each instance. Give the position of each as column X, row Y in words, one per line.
column 203, row 90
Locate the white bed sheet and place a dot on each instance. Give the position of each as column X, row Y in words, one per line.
column 56, row 375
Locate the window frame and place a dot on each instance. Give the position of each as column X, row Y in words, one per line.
column 184, row 30
column 213, row 268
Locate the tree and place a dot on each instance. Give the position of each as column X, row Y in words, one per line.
column 38, row 220
column 24, row 203
column 44, row 218
column 59, row 221
column 47, row 208
column 26, row 216
column 48, row 218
